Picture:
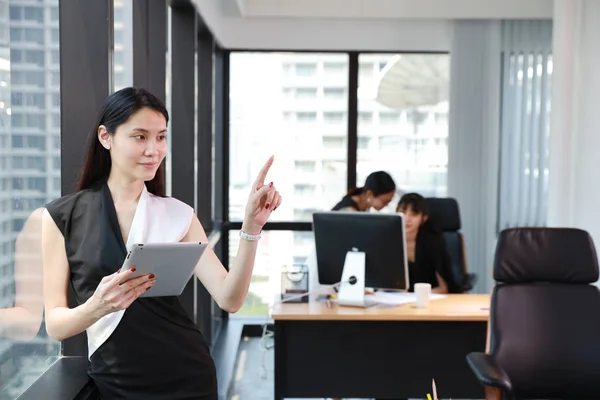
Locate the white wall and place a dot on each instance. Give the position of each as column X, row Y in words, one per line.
column 574, row 189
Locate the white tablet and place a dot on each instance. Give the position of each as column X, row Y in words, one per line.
column 171, row 263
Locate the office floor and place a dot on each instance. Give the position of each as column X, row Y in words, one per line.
column 253, row 378
column 249, row 381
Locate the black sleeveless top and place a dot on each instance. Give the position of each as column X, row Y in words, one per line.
column 431, row 256
column 345, row 203
column 156, row 351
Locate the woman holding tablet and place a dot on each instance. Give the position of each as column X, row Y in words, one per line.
column 139, row 348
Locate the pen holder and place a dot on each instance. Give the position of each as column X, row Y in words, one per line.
column 294, row 284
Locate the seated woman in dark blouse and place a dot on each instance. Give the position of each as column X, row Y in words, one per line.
column 428, row 257
column 377, row 192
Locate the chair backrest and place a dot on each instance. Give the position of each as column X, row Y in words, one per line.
column 444, row 215
column 545, row 315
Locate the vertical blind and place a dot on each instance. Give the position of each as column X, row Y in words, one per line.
column 525, row 123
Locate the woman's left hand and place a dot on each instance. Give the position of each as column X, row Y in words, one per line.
column 263, row 200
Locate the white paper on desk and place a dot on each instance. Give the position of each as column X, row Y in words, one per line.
column 396, row 299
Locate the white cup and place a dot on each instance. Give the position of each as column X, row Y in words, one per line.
column 422, row 292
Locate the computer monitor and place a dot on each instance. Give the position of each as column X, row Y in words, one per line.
column 380, row 236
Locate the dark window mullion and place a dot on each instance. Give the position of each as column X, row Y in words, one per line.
column 352, row 118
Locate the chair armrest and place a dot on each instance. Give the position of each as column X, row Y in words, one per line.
column 469, row 281
column 489, row 373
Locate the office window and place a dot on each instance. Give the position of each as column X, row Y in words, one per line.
column 16, row 13
column 306, row 93
column 365, row 117
column 36, row 35
column 407, row 120
column 55, row 120
column 257, row 82
column 37, row 121
column 18, row 162
column 34, row 57
column 334, row 117
column 54, row 36
column 277, row 251
column 441, row 118
column 26, row 350
column 28, row 78
column 54, row 16
column 335, row 68
column 55, row 57
column 34, row 14
column 55, row 80
column 16, row 228
column 306, row 69
column 16, row 35
column 304, row 190
column 363, row 142
column 119, row 35
column 389, row 117
column 16, row 56
column 334, row 142
column 334, row 93
column 123, row 37
column 17, row 142
column 119, row 58
column 366, row 69
column 29, row 100
column 391, row 142
column 305, row 166
column 306, row 116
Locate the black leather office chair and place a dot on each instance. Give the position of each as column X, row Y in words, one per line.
column 444, row 214
column 545, row 317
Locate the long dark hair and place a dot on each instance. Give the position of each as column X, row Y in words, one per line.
column 378, row 182
column 117, row 109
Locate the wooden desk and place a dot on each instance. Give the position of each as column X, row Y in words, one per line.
column 383, row 352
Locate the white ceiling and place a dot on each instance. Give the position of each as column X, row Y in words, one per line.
column 360, row 25
column 396, row 9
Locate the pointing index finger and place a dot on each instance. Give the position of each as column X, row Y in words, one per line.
column 260, row 180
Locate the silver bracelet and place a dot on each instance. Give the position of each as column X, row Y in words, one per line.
column 249, row 237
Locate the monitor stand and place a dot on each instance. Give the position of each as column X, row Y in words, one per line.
column 352, row 288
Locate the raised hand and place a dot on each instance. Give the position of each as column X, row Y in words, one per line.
column 263, row 200
column 117, row 291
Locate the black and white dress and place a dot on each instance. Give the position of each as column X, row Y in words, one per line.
column 152, row 350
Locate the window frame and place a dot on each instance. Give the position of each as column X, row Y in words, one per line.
column 222, row 150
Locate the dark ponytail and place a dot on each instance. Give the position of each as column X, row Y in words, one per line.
column 356, row 191
column 379, row 182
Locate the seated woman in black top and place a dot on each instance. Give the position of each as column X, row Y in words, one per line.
column 428, row 257
column 377, row 192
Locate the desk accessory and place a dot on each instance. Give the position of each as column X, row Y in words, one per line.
column 294, row 283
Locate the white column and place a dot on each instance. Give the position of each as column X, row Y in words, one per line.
column 473, row 143
column 574, row 184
